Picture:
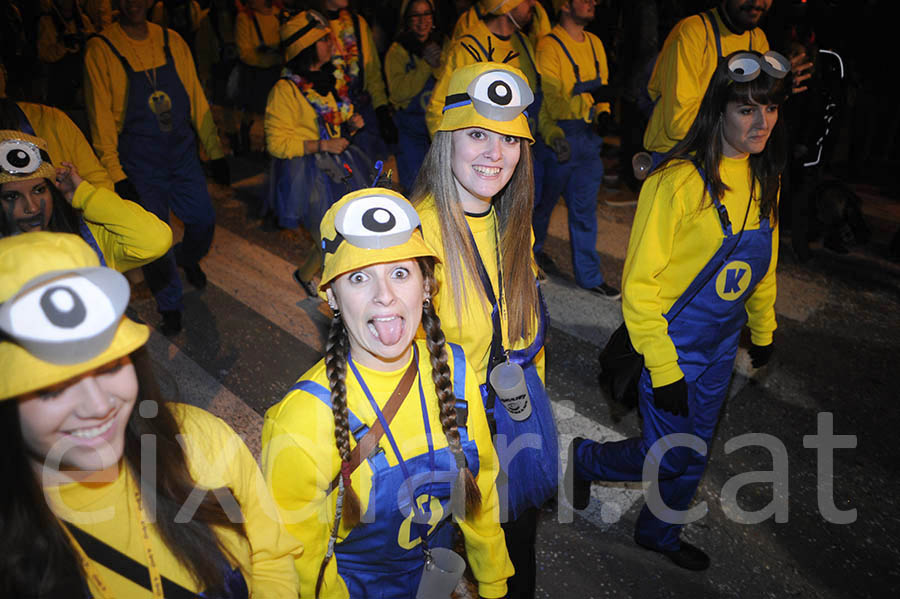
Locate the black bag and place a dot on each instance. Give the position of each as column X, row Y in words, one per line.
column 620, row 368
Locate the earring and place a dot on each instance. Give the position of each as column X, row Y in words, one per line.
column 426, row 303
column 336, row 312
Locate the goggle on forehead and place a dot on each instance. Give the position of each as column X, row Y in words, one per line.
column 746, row 66
column 373, row 222
column 20, row 157
column 316, row 21
column 69, row 317
column 496, row 95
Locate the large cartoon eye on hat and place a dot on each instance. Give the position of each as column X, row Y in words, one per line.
column 66, row 317
column 746, row 66
column 496, row 94
column 21, row 157
column 373, row 222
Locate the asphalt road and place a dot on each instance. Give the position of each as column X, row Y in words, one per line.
column 251, row 333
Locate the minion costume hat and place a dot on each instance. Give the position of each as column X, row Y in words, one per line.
column 61, row 313
column 490, row 95
column 302, row 31
column 498, row 7
column 23, row 157
column 369, row 226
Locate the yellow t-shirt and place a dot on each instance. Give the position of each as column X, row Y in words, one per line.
column 217, row 457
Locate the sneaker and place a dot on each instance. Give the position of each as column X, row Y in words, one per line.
column 606, row 291
column 687, row 556
column 195, row 275
column 577, row 489
column 546, row 264
column 620, row 198
column 171, row 322
column 308, row 286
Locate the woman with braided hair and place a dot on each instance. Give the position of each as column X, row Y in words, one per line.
column 377, row 446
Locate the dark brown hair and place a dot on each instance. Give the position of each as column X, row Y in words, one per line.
column 38, row 560
column 703, row 142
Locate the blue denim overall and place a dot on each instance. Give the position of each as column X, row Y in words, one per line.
column 166, row 170
column 413, row 140
column 705, row 335
column 578, row 180
column 527, row 449
column 409, row 504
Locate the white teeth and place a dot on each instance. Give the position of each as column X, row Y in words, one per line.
column 372, row 328
column 90, row 433
column 487, row 170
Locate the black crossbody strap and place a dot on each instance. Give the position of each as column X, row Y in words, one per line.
column 123, row 565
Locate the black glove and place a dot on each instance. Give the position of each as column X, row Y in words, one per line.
column 126, row 190
column 386, row 125
column 562, row 149
column 220, row 171
column 601, row 123
column 760, row 354
column 673, row 398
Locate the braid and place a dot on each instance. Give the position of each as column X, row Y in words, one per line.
column 336, row 350
column 465, row 496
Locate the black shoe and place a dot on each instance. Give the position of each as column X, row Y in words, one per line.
column 687, row 556
column 578, row 490
column 171, row 322
column 546, row 264
column 308, row 286
column 195, row 275
column 606, row 291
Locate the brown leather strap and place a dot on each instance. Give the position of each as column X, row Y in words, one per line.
column 369, row 442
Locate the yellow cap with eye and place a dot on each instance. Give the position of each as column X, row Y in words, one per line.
column 369, row 226
column 490, row 95
column 498, row 7
column 62, row 314
column 302, row 31
column 24, row 157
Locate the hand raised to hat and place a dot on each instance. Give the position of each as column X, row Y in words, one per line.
column 68, row 180
column 672, row 398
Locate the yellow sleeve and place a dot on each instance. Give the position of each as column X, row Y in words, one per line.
column 227, row 462
column 678, row 82
column 374, row 81
column 404, row 84
column 103, row 73
column 248, row 41
column 298, row 469
column 484, row 538
column 201, row 116
column 50, row 47
column 128, row 235
column 290, row 120
column 556, row 98
column 463, row 23
column 761, row 303
column 540, row 25
column 650, row 247
column 66, row 142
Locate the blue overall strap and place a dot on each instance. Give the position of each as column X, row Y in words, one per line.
column 724, row 221
column 459, row 389
column 729, row 243
column 572, row 60
column 715, row 27
column 88, row 236
column 24, row 123
column 125, row 64
column 524, row 43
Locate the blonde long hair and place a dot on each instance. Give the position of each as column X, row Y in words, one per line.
column 514, row 206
